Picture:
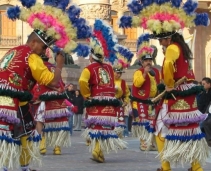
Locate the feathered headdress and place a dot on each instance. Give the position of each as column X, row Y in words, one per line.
column 163, row 17
column 123, row 60
column 53, row 23
column 102, row 41
column 144, row 50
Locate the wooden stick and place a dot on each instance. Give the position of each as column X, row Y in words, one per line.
column 159, row 96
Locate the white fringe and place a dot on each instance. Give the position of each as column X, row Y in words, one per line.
column 104, row 98
column 119, row 131
column 9, row 153
column 141, row 133
column 184, row 115
column 185, row 86
column 34, row 150
column 185, row 152
column 108, row 145
column 56, row 111
column 58, row 138
column 104, row 118
column 8, row 112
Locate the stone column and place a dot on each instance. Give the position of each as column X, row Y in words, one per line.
column 95, row 9
column 120, row 14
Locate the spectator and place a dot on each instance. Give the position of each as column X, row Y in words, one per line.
column 127, row 112
column 71, row 95
column 204, row 102
column 78, row 101
column 205, row 97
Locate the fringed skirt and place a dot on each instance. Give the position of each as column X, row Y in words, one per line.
column 9, row 150
column 57, row 130
column 100, row 125
column 178, row 121
column 144, row 123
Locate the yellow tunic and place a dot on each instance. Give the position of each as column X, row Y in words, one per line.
column 84, row 83
column 138, row 81
column 119, row 91
column 172, row 54
column 39, row 72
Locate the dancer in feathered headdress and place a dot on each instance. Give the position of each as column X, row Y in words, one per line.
column 177, row 125
column 97, row 86
column 52, row 120
column 22, row 66
column 144, row 88
column 123, row 59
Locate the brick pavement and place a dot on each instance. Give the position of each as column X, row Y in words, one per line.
column 76, row 158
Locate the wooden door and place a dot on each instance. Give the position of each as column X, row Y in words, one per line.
column 114, row 24
column 8, row 26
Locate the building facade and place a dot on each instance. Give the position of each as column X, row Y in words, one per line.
column 13, row 33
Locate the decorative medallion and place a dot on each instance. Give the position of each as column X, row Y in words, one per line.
column 15, row 79
column 141, row 92
column 104, row 76
column 6, row 60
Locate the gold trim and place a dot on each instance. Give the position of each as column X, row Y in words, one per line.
column 180, row 105
column 6, row 101
column 108, row 109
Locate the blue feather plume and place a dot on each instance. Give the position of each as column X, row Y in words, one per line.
column 176, row 3
column 202, row 19
column 143, row 38
column 135, row 7
column 125, row 22
column 83, row 30
column 125, row 52
column 160, row 2
column 146, row 3
column 28, row 3
column 63, row 4
column 112, row 58
column 73, row 13
column 190, row 6
column 82, row 50
column 13, row 13
column 108, row 35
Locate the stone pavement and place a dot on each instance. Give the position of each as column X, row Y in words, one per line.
column 77, row 158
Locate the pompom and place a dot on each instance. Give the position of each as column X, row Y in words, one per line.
column 125, row 22
column 52, row 3
column 202, row 19
column 28, row 3
column 135, row 6
column 190, row 6
column 160, row 2
column 63, row 4
column 176, row 3
column 146, row 3
column 13, row 13
column 82, row 50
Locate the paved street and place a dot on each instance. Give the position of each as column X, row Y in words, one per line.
column 77, row 158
